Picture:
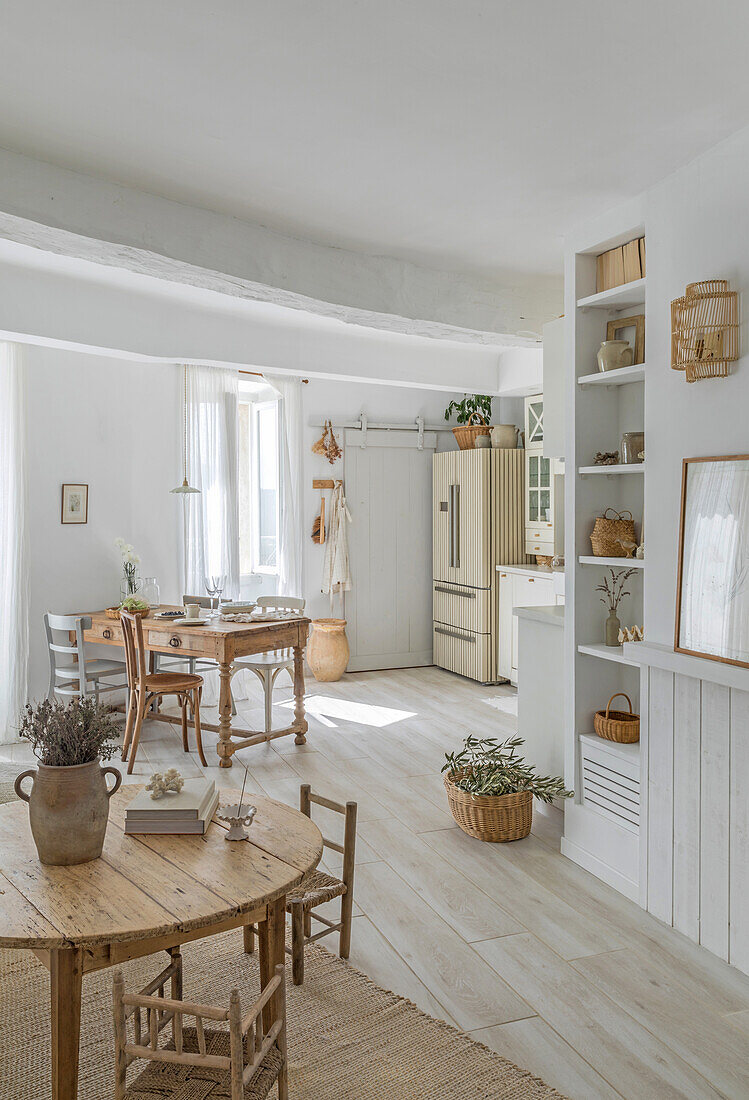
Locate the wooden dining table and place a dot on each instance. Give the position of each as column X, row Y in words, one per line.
column 146, row 894
column 223, row 642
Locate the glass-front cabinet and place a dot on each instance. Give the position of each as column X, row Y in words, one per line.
column 540, row 515
column 534, row 422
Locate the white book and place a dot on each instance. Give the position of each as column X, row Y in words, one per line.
column 189, row 804
column 196, row 825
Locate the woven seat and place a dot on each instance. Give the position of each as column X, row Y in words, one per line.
column 315, row 889
column 167, row 1081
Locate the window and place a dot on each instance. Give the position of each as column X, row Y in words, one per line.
column 259, row 496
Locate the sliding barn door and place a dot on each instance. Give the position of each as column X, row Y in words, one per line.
column 389, row 492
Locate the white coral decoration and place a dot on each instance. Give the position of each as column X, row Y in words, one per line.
column 631, row 634
column 161, row 783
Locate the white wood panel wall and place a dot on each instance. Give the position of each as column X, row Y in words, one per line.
column 697, row 833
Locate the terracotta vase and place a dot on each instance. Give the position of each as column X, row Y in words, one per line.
column 68, row 810
column 327, row 649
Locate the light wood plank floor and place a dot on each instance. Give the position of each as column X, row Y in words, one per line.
column 513, row 943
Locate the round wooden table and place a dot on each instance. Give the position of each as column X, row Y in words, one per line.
column 147, row 893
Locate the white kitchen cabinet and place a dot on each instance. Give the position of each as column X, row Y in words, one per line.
column 553, row 415
column 505, row 626
column 518, row 590
column 534, row 422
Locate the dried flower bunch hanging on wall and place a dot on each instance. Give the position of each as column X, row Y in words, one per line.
column 705, row 330
column 327, row 444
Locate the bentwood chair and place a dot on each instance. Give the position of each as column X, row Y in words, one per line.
column 77, row 676
column 242, row 1063
column 267, row 666
column 146, row 687
column 317, row 888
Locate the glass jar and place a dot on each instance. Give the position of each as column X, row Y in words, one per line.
column 633, row 445
column 130, row 584
column 150, row 592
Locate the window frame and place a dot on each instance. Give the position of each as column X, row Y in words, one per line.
column 255, row 408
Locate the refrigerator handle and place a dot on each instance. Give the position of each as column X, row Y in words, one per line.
column 455, row 526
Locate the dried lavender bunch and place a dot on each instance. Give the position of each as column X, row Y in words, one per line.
column 491, row 767
column 613, row 588
column 64, row 734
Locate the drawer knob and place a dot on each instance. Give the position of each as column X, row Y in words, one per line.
column 107, row 633
column 175, row 641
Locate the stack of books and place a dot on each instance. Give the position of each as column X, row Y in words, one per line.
column 187, row 812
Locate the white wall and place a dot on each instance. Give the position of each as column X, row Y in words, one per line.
column 115, row 426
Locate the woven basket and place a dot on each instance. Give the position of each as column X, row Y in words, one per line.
column 604, row 538
column 617, row 725
column 466, row 433
column 114, row 612
column 496, row 818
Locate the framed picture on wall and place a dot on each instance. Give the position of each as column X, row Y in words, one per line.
column 712, row 595
column 74, row 504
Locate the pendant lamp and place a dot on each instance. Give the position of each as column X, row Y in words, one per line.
column 185, row 487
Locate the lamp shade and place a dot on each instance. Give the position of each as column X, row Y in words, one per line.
column 184, row 488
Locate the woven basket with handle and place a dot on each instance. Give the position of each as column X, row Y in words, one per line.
column 617, row 725
column 466, row 433
column 493, row 817
column 608, row 530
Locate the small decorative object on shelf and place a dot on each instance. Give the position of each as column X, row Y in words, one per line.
column 490, row 789
column 161, row 783
column 621, row 324
column 617, row 725
column 613, row 593
column 130, row 562
column 705, row 330
column 482, row 442
column 631, row 634
column 473, row 415
column 633, row 445
column 327, row 444
column 608, row 531
column 640, row 552
column 614, row 354
column 628, row 547
column 69, row 799
column 606, row 458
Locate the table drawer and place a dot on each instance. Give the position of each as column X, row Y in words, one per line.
column 108, row 630
column 461, row 606
column 164, row 638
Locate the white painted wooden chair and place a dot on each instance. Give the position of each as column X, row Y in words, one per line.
column 267, row 666
column 243, row 1063
column 77, row 677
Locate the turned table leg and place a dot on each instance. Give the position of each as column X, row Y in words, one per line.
column 299, row 720
column 65, row 975
column 224, row 747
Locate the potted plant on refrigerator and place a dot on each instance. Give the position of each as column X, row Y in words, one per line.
column 69, row 799
column 490, row 789
column 473, row 415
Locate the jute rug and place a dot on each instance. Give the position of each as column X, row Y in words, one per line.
column 348, row 1039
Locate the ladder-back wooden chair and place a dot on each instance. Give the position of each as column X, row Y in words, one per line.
column 77, row 675
column 145, row 687
column 267, row 666
column 318, row 887
column 242, row 1063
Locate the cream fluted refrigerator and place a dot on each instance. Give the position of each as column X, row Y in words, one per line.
column 478, row 524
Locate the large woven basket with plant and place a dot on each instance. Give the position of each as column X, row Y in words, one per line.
column 474, row 415
column 490, row 789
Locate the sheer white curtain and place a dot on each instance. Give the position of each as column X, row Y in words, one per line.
column 291, row 533
column 14, row 567
column 212, row 518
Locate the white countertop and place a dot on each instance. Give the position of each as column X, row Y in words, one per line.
column 529, row 570
column 553, row 615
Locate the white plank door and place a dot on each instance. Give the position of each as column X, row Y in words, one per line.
column 389, row 492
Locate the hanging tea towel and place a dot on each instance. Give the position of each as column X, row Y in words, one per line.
column 336, row 571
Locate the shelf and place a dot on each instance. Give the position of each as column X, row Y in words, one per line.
column 630, row 753
column 619, row 468
column 619, row 297
column 607, row 653
column 626, row 563
column 622, row 376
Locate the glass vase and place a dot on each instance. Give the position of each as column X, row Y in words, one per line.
column 612, row 630
column 150, row 592
column 130, row 585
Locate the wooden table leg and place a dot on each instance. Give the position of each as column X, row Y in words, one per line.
column 272, row 940
column 299, row 720
column 65, row 975
column 224, row 747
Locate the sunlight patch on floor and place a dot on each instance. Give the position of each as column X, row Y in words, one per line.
column 364, row 714
column 508, row 704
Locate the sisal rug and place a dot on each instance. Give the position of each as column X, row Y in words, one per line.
column 348, row 1039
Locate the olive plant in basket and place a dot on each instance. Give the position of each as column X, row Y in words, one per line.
column 69, row 799
column 490, row 788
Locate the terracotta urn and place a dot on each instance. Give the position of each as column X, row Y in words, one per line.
column 327, row 649
column 613, row 354
column 68, row 810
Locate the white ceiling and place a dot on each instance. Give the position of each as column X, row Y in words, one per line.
column 461, row 134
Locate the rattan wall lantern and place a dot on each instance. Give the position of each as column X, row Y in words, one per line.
column 705, row 330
